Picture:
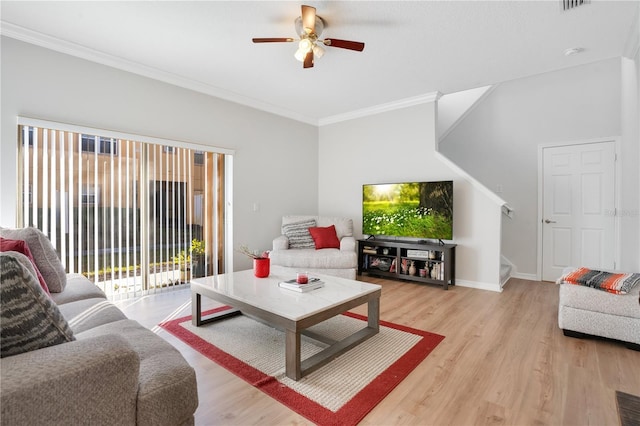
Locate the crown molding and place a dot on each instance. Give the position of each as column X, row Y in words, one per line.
column 33, row 37
column 390, row 106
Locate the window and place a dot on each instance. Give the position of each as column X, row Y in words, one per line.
column 90, row 196
column 122, row 212
column 105, row 145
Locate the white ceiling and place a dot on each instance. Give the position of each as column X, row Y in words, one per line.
column 413, row 48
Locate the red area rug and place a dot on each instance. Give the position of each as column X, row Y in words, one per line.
column 341, row 392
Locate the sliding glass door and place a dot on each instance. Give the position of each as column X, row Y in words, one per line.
column 132, row 216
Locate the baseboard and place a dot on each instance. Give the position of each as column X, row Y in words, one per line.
column 522, row 276
column 480, row 286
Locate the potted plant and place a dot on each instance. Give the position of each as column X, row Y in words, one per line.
column 194, row 256
column 261, row 262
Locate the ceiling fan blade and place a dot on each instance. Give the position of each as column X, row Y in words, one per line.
column 308, row 60
column 344, row 44
column 272, row 40
column 309, row 19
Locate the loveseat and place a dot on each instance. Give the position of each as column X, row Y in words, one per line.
column 71, row 357
column 330, row 250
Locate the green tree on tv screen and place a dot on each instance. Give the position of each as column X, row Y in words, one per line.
column 420, row 210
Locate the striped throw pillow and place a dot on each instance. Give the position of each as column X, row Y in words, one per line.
column 29, row 319
column 298, row 234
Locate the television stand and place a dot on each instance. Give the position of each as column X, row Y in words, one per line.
column 427, row 263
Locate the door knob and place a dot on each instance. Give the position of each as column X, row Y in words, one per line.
column 549, row 221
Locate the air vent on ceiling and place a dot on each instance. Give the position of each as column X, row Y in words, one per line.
column 572, row 4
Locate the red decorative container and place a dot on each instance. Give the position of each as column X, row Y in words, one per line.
column 261, row 267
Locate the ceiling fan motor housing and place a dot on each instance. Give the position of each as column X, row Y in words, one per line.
column 319, row 26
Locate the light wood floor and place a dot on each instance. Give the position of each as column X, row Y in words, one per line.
column 503, row 362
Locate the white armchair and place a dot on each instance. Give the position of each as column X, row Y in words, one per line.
column 296, row 249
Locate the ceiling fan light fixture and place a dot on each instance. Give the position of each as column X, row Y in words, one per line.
column 309, row 26
column 300, row 54
column 304, row 47
column 318, row 51
column 305, row 44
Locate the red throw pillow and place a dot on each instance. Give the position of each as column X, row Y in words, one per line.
column 22, row 247
column 325, row 237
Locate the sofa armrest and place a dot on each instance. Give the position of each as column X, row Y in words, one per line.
column 88, row 381
column 281, row 243
column 348, row 244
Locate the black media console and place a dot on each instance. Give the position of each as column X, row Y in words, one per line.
column 420, row 262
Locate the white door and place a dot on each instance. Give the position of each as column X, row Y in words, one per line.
column 578, row 222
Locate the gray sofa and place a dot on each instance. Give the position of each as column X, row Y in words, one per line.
column 99, row 368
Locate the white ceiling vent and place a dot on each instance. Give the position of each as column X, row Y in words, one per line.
column 572, row 4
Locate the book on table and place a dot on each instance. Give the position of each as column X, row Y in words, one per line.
column 313, row 284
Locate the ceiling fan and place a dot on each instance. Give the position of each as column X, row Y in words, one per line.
column 309, row 26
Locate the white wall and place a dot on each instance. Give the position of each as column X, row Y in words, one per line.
column 629, row 213
column 274, row 163
column 453, row 107
column 497, row 143
column 399, row 146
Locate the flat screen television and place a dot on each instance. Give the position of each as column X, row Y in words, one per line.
column 421, row 210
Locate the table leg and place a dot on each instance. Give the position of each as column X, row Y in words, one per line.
column 373, row 320
column 292, row 355
column 196, row 309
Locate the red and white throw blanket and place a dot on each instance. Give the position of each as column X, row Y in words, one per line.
column 607, row 281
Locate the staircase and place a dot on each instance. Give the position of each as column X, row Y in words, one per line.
column 452, row 110
column 505, row 272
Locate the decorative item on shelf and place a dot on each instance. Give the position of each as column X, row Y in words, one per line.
column 384, row 264
column 423, row 273
column 435, row 271
column 418, row 253
column 369, row 250
column 412, row 268
column 385, row 251
column 404, row 266
column 432, row 254
column 261, row 262
column 393, row 266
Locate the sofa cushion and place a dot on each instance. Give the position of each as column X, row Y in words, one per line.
column 29, row 319
column 344, row 225
column 89, row 313
column 44, row 253
column 298, row 234
column 21, row 246
column 78, row 288
column 167, row 391
column 594, row 300
column 304, row 258
column 324, row 237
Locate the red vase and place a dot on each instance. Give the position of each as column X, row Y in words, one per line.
column 261, row 267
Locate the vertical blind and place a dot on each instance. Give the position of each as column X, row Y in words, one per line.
column 134, row 217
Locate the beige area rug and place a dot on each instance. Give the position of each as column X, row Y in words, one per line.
column 341, row 392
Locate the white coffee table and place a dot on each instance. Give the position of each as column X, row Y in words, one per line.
column 290, row 311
